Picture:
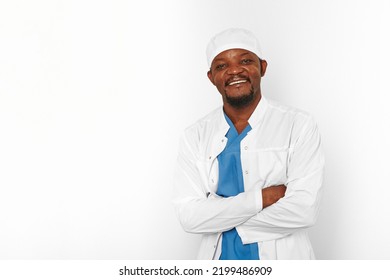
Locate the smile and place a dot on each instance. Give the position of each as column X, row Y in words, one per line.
column 236, row 82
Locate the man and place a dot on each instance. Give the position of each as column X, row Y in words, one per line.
column 249, row 174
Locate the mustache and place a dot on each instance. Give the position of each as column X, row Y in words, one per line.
column 235, row 78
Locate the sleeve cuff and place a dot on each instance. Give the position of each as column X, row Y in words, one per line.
column 259, row 199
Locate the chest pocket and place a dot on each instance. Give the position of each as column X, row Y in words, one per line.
column 261, row 167
column 265, row 167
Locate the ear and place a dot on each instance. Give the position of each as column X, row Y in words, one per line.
column 210, row 76
column 263, row 65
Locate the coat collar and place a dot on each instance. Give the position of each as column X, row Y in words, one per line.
column 255, row 119
column 258, row 114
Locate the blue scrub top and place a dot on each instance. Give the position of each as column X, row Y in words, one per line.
column 231, row 183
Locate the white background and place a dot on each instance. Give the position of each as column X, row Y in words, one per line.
column 94, row 96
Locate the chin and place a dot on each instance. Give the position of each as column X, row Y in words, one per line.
column 241, row 101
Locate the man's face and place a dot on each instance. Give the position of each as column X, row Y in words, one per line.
column 237, row 73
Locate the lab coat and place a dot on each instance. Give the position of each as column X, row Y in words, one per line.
column 283, row 147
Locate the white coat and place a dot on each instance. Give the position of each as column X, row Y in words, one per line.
column 283, row 147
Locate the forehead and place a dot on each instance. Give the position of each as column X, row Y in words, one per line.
column 233, row 53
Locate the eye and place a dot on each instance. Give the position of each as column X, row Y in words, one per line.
column 246, row 61
column 220, row 66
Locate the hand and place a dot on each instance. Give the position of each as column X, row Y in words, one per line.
column 272, row 194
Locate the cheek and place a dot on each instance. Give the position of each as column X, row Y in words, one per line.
column 220, row 85
column 218, row 81
column 256, row 76
column 220, row 88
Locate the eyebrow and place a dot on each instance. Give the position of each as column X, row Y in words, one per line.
column 245, row 53
column 216, row 59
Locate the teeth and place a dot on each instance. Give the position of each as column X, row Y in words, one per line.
column 237, row 82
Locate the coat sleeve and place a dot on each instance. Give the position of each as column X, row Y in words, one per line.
column 299, row 207
column 200, row 211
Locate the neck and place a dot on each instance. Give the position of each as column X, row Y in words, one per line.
column 240, row 116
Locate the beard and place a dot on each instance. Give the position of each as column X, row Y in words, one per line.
column 242, row 101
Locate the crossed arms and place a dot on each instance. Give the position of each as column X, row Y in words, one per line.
column 258, row 214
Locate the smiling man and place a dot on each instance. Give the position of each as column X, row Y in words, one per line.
column 249, row 174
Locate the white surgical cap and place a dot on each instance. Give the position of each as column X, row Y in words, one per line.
column 233, row 38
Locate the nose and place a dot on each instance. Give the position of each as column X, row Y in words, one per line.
column 234, row 69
